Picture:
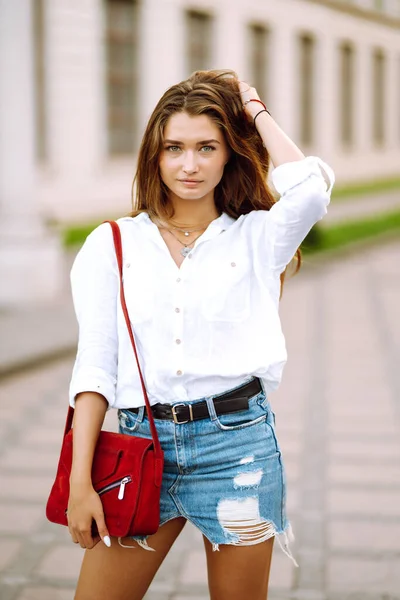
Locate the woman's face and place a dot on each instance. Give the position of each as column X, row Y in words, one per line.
column 193, row 157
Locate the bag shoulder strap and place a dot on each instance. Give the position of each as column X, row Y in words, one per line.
column 118, row 252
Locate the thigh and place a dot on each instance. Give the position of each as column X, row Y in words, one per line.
column 239, row 572
column 119, row 573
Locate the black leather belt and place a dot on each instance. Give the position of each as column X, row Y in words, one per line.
column 224, row 403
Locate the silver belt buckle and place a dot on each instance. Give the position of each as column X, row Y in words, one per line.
column 175, row 416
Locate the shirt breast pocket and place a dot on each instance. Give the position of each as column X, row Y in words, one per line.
column 226, row 296
column 139, row 291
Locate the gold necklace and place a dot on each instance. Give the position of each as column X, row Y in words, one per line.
column 186, row 247
column 188, row 229
column 187, row 232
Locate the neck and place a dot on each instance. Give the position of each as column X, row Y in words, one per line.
column 191, row 213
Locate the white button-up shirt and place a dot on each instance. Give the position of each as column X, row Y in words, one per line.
column 207, row 326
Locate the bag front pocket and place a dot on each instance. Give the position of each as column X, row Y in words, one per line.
column 119, row 483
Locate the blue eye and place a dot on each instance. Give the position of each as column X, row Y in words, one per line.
column 173, row 148
column 209, row 148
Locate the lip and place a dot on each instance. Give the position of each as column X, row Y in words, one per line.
column 190, row 182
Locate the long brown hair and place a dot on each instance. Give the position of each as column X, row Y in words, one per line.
column 243, row 186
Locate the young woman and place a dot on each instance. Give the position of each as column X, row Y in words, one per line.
column 204, row 258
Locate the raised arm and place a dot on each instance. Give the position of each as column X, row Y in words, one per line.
column 304, row 185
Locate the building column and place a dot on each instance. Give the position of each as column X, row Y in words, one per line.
column 162, row 52
column 75, row 63
column 363, row 101
column 327, row 97
column 284, row 78
column 392, row 99
column 30, row 258
column 229, row 38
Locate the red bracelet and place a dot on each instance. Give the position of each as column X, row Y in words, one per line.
column 254, row 100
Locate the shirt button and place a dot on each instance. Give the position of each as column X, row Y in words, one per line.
column 178, row 280
column 177, row 310
column 128, row 265
column 178, row 341
column 233, row 264
column 189, row 256
column 179, row 373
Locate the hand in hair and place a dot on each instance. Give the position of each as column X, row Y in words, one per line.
column 252, row 103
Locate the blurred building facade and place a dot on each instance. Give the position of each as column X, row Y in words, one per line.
column 329, row 71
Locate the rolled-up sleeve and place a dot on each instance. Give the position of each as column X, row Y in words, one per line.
column 94, row 283
column 305, row 189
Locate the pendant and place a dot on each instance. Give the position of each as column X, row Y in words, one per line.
column 187, row 233
column 185, row 251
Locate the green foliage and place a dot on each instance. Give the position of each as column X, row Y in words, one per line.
column 348, row 232
column 75, row 235
column 364, row 188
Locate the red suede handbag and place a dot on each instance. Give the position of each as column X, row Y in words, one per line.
column 127, row 470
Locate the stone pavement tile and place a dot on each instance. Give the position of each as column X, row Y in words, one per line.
column 362, row 426
column 186, row 597
column 288, row 424
column 43, row 436
column 292, row 500
column 292, row 468
column 380, row 577
column 281, row 576
column 160, row 589
column 32, row 331
column 375, row 475
column 195, row 568
column 375, row 503
column 359, row 536
column 61, row 561
column 54, row 418
column 9, row 548
column 46, row 593
column 25, row 487
column 290, row 444
column 30, row 389
column 365, row 448
column 348, row 410
column 20, row 519
column 188, row 592
column 10, row 414
column 25, row 459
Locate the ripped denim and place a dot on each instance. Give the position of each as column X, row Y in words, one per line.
column 223, row 473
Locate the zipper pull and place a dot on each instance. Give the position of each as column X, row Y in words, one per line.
column 121, row 491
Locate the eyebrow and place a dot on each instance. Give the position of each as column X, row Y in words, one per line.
column 202, row 143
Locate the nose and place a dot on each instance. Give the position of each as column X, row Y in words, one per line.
column 189, row 163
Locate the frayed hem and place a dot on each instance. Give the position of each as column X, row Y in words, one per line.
column 140, row 542
column 288, row 538
column 284, row 538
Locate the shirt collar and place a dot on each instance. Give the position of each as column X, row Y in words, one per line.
column 219, row 224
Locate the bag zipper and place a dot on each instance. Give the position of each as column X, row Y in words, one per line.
column 121, row 483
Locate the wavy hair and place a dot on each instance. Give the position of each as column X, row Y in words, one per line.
column 243, row 186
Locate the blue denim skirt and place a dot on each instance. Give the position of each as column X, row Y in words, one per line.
column 223, row 473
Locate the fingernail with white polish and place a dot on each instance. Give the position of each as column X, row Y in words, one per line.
column 107, row 541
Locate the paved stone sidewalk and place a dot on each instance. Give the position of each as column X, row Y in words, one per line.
column 338, row 418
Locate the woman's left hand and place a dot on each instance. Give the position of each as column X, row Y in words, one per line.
column 250, row 93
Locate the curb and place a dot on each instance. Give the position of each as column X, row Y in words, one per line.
column 36, row 361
